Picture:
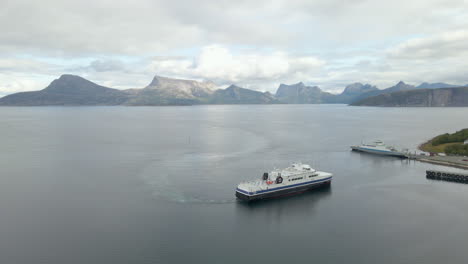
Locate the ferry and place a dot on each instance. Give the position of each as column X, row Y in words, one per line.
column 295, row 179
column 380, row 148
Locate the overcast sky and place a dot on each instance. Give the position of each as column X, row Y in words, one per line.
column 255, row 44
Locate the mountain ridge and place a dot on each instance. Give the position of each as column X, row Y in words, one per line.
column 68, row 90
column 299, row 93
column 426, row 85
column 74, row 90
column 440, row 97
column 238, row 95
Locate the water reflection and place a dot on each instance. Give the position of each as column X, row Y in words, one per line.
column 365, row 154
column 276, row 210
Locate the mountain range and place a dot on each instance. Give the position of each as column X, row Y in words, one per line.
column 68, row 90
column 436, row 97
column 75, row 90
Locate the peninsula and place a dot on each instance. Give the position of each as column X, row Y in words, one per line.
column 450, row 144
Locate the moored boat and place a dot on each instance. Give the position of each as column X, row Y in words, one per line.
column 380, row 148
column 295, row 179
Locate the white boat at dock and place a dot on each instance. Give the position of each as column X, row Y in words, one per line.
column 380, row 148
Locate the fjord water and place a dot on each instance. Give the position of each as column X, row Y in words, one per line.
column 156, row 185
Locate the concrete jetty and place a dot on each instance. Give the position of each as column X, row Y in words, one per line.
column 452, row 161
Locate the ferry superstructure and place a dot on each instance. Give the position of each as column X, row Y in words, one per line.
column 378, row 147
column 295, row 179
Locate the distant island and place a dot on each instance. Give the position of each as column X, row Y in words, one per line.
column 451, row 144
column 75, row 90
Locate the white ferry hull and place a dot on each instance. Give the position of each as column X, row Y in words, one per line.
column 379, row 152
column 282, row 191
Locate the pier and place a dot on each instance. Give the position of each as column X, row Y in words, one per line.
column 451, row 161
column 447, row 176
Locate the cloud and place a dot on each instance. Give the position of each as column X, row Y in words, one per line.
column 13, row 83
column 440, row 46
column 255, row 44
column 224, row 66
column 149, row 27
column 24, row 65
column 24, row 74
column 70, row 28
column 106, row 65
column 221, row 65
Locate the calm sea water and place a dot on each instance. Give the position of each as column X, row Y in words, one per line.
column 156, row 185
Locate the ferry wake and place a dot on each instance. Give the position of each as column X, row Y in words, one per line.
column 295, row 179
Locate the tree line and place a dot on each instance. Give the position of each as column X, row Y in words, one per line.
column 461, row 150
column 459, row 136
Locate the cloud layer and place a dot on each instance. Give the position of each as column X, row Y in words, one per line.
column 256, row 44
column 220, row 65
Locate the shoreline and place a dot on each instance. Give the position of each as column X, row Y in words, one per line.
column 449, row 161
column 459, row 162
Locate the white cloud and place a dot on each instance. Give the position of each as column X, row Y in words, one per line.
column 261, row 43
column 107, row 65
column 440, row 46
column 219, row 64
column 255, row 70
column 23, row 65
column 144, row 27
column 13, row 83
column 21, row 74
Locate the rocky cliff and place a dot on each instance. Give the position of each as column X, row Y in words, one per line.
column 301, row 94
column 420, row 97
column 237, row 95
